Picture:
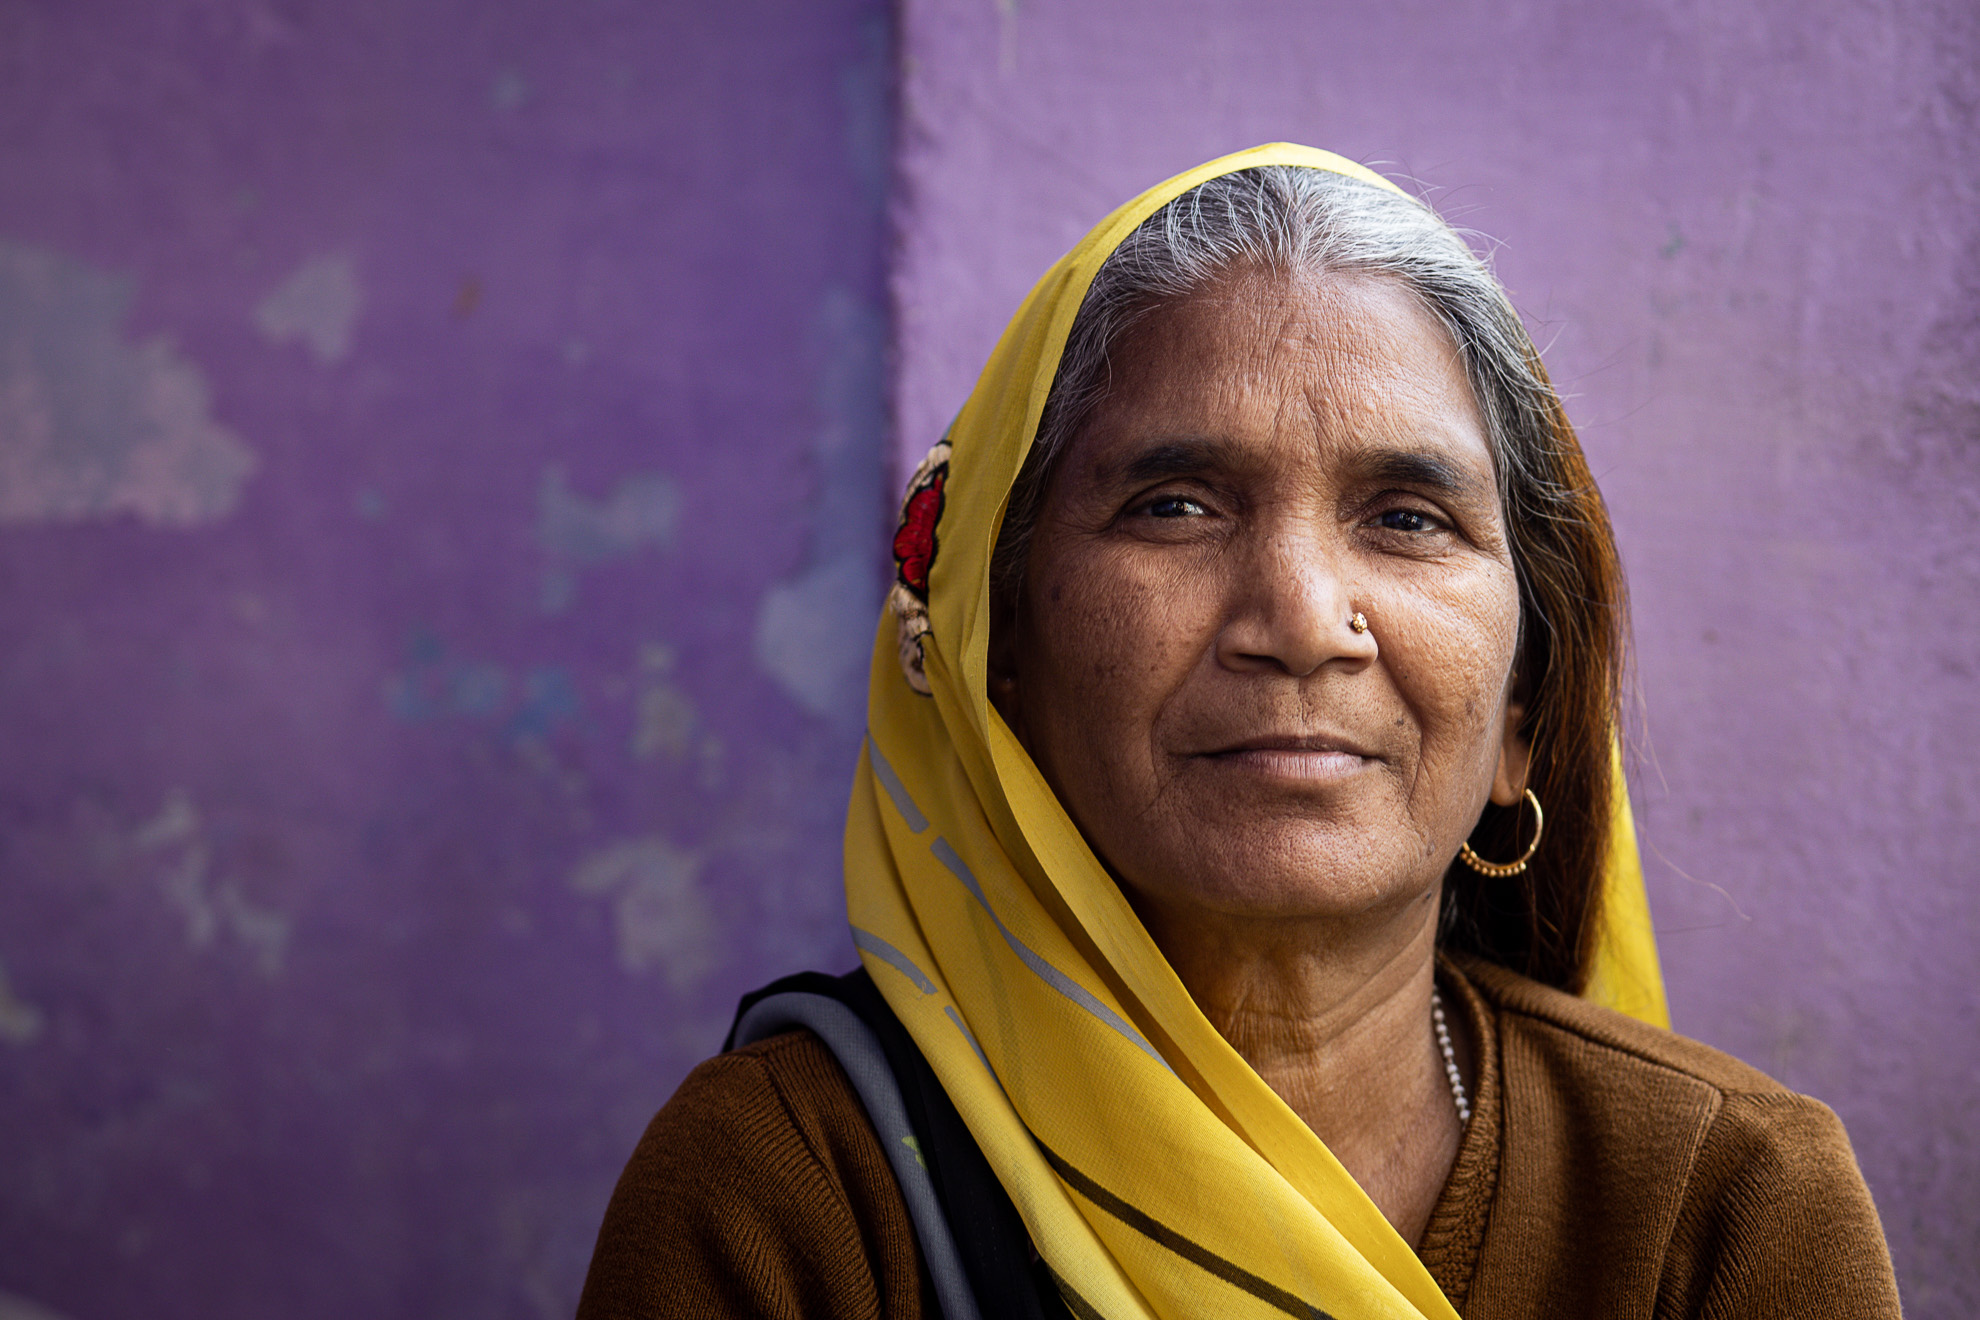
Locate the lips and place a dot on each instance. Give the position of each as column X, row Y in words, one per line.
column 1294, row 743
column 1309, row 760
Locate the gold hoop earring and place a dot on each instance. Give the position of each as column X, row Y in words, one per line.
column 1499, row 870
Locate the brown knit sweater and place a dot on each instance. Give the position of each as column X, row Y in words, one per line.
column 1610, row 1169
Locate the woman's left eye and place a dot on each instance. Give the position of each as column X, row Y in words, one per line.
column 1173, row 506
column 1405, row 520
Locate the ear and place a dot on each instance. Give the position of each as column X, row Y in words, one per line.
column 1003, row 664
column 1515, row 758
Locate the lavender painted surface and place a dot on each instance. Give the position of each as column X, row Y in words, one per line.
column 1749, row 234
column 441, row 523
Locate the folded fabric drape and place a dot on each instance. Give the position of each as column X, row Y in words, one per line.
column 1157, row 1173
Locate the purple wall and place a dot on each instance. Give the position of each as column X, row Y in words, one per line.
column 441, row 523
column 1750, row 234
column 442, row 510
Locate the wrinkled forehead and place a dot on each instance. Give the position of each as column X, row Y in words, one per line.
column 1350, row 365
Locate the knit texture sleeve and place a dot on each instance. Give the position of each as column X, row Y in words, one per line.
column 759, row 1190
column 1777, row 1221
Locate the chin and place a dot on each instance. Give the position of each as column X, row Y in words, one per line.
column 1269, row 876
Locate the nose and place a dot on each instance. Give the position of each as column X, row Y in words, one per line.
column 1292, row 606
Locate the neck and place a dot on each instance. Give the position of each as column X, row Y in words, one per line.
column 1335, row 1017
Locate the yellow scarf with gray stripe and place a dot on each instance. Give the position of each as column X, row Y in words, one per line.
column 1157, row 1173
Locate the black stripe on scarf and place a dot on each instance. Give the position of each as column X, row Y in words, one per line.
column 1193, row 1252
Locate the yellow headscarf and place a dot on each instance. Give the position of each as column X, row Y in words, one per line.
column 1157, row 1173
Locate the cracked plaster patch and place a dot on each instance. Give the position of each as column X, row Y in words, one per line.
column 659, row 914
column 13, row 1306
column 814, row 633
column 318, row 305
column 210, row 908
column 576, row 533
column 20, row 1023
column 93, row 426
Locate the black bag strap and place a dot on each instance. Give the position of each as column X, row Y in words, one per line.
column 1005, row 1274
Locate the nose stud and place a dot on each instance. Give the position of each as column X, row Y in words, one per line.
column 1359, row 622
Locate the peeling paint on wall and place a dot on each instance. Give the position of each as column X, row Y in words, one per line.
column 814, row 631
column 576, row 533
column 664, row 718
column 549, row 699
column 435, row 683
column 814, row 634
column 92, row 426
column 508, row 90
column 319, row 305
column 358, row 844
column 659, row 914
column 20, row 1023
column 210, row 907
column 15, row 1307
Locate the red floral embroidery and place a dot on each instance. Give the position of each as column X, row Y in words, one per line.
column 914, row 543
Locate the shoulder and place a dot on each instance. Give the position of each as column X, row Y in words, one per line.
column 759, row 1188
column 1593, row 1071
column 1579, row 1035
column 779, row 1111
column 1613, row 1070
column 786, row 1090
column 1675, row 1165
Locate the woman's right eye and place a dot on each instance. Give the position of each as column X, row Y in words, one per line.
column 1174, row 506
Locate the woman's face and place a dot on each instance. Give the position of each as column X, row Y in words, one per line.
column 1274, row 455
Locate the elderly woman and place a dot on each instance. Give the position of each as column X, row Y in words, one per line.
column 1239, row 859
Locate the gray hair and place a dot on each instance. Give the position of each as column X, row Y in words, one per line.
column 1286, row 218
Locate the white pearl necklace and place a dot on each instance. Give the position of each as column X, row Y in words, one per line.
column 1450, row 1056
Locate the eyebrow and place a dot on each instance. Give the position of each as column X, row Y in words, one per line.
column 1176, row 458
column 1423, row 469
column 1420, row 468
